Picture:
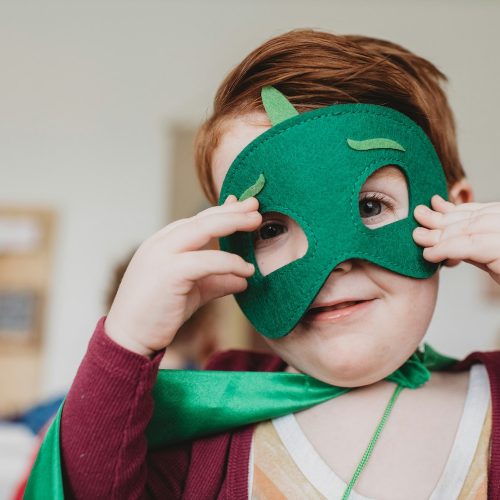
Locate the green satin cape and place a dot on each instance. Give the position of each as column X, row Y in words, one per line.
column 200, row 403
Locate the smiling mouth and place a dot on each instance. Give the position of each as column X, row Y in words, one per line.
column 336, row 312
column 342, row 305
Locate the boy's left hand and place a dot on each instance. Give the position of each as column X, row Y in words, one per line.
column 467, row 231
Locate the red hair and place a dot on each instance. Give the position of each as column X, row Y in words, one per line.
column 315, row 69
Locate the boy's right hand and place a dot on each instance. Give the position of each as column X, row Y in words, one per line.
column 173, row 273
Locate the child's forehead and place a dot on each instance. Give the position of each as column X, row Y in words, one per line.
column 236, row 133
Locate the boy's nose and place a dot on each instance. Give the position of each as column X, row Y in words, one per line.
column 345, row 266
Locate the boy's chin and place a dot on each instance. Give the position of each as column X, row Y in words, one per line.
column 344, row 374
column 364, row 379
column 349, row 357
column 345, row 369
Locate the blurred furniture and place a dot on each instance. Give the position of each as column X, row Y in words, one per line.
column 26, row 236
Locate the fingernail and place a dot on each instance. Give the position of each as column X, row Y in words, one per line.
column 254, row 215
column 246, row 199
column 422, row 208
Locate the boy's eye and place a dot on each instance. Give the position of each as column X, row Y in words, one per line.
column 270, row 229
column 374, row 204
column 369, row 208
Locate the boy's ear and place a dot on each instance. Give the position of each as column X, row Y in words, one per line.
column 461, row 192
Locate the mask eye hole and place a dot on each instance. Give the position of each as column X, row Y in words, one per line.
column 383, row 198
column 278, row 241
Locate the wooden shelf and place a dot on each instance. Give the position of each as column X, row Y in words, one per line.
column 25, row 276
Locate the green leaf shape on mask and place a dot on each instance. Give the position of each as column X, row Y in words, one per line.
column 277, row 106
column 378, row 143
column 254, row 189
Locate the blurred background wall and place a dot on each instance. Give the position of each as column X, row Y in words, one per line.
column 91, row 94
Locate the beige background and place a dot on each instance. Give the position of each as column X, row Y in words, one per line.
column 90, row 93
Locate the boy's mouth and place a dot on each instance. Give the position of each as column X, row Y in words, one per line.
column 335, row 309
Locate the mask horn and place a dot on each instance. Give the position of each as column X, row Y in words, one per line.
column 277, row 106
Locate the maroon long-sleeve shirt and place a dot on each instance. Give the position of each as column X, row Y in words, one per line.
column 108, row 408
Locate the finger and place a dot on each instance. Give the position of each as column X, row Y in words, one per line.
column 168, row 228
column 232, row 206
column 248, row 205
column 197, row 265
column 216, row 286
column 433, row 219
column 440, row 204
column 427, row 217
column 474, row 206
column 231, row 199
column 199, row 231
column 482, row 224
column 480, row 248
column 426, row 237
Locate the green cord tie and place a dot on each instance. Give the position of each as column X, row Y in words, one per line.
column 372, row 442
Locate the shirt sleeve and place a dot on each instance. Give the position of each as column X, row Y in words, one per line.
column 103, row 423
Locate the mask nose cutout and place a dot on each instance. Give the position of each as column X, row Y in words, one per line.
column 384, row 197
column 279, row 241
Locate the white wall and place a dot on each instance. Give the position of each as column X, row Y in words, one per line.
column 88, row 90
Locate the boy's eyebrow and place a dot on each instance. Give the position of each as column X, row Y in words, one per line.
column 377, row 143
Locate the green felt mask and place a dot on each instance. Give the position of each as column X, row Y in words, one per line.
column 311, row 167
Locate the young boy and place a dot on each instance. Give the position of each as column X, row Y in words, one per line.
column 363, row 320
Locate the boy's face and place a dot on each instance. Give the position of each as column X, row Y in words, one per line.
column 345, row 345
